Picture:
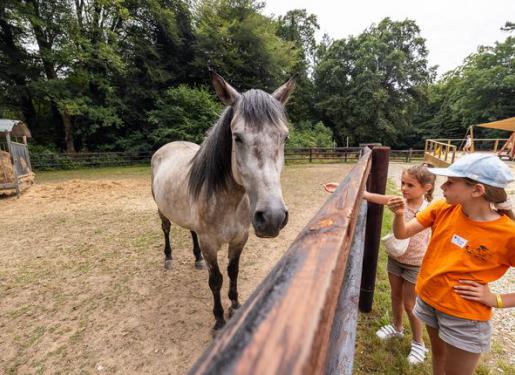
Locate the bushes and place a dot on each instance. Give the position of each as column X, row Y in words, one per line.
column 47, row 158
column 183, row 114
column 306, row 134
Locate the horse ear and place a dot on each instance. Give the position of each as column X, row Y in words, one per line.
column 227, row 94
column 283, row 93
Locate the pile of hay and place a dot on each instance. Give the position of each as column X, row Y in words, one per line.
column 6, row 168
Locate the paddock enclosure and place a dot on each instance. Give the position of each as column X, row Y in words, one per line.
column 82, row 283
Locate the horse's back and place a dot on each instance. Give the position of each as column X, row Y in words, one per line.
column 173, row 153
column 170, row 170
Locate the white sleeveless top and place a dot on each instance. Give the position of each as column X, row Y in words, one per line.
column 418, row 243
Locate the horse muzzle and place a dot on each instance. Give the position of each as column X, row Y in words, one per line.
column 268, row 223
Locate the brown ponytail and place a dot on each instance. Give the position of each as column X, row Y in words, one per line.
column 494, row 195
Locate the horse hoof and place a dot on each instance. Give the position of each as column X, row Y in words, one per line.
column 233, row 309
column 217, row 327
column 168, row 264
column 200, row 264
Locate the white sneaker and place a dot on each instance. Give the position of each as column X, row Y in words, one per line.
column 417, row 354
column 388, row 332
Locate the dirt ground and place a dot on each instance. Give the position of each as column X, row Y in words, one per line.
column 82, row 283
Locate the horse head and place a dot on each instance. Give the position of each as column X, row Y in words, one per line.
column 259, row 130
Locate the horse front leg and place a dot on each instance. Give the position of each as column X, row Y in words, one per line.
column 235, row 250
column 215, row 281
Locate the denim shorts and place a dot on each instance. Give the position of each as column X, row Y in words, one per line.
column 406, row 271
column 470, row 335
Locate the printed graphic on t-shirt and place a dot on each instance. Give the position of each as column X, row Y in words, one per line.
column 481, row 253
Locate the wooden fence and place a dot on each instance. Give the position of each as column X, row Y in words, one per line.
column 302, row 318
column 52, row 160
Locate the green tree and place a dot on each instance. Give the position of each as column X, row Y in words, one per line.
column 306, row 134
column 480, row 90
column 183, row 113
column 299, row 27
column 240, row 43
column 369, row 86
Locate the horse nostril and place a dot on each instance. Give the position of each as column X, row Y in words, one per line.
column 285, row 221
column 259, row 218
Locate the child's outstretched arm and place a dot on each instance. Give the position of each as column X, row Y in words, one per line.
column 377, row 198
column 481, row 293
column 330, row 187
column 401, row 229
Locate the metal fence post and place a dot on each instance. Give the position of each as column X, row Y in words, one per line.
column 375, row 184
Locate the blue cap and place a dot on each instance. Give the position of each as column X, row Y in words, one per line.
column 484, row 168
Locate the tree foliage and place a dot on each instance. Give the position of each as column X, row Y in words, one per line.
column 133, row 75
column 369, row 86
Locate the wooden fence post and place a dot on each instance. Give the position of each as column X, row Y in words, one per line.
column 376, row 184
column 310, row 154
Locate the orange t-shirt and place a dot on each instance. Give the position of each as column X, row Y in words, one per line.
column 462, row 249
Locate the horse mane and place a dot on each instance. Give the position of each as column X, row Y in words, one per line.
column 211, row 165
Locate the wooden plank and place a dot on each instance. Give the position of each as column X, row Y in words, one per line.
column 343, row 334
column 428, row 158
column 284, row 327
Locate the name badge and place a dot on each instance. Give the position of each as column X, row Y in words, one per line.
column 459, row 241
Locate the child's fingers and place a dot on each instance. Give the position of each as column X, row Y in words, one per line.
column 470, row 282
column 395, row 200
column 330, row 187
column 467, row 293
column 471, row 298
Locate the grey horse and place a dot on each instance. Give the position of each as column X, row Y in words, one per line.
column 218, row 189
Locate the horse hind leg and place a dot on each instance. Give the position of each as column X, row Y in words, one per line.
column 166, row 225
column 199, row 260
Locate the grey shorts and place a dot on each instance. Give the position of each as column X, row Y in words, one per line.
column 469, row 335
column 406, row 271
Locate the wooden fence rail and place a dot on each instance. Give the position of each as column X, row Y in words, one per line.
column 301, row 318
column 52, row 160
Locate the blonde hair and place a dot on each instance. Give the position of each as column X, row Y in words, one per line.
column 424, row 177
column 493, row 195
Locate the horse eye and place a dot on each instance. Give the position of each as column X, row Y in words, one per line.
column 286, row 138
column 237, row 138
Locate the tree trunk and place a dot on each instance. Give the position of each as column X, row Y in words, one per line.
column 68, row 134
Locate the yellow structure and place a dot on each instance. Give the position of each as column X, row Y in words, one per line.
column 442, row 153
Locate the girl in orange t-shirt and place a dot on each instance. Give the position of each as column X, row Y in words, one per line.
column 472, row 244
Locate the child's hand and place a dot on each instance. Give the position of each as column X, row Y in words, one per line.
column 330, row 187
column 476, row 292
column 397, row 205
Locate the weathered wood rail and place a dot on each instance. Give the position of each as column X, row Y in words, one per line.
column 301, row 319
column 50, row 160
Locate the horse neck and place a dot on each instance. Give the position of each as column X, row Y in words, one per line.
column 232, row 195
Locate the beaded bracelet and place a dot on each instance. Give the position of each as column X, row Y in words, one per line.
column 500, row 304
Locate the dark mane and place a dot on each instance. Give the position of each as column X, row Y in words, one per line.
column 211, row 166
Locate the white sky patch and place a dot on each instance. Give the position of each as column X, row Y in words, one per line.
column 453, row 29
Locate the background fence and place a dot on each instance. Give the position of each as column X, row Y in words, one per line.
column 48, row 160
